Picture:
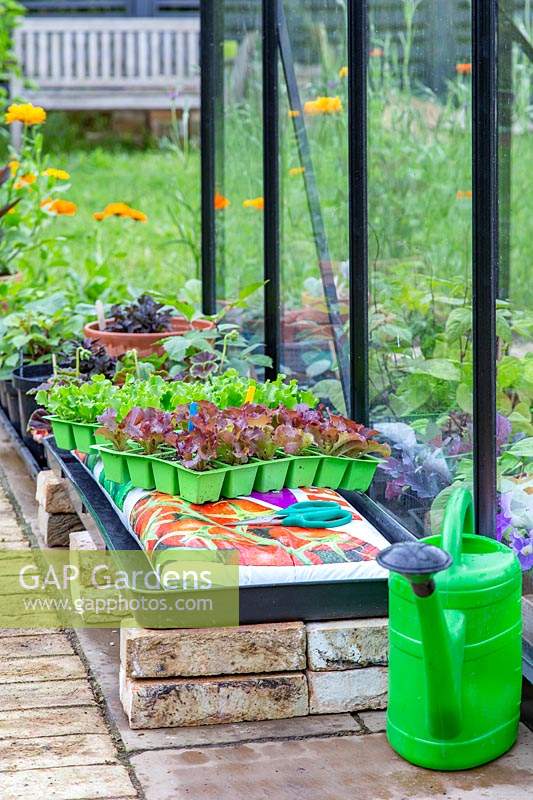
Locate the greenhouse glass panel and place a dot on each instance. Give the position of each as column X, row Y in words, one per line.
column 420, row 250
column 238, row 195
column 515, row 289
column 313, row 166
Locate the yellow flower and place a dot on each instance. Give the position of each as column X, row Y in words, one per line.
column 323, row 105
column 256, row 202
column 60, row 174
column 120, row 210
column 296, row 171
column 25, row 181
column 26, row 113
column 293, row 112
column 343, row 72
column 13, row 166
column 466, row 195
column 60, row 207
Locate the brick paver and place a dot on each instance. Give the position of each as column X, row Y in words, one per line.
column 54, row 741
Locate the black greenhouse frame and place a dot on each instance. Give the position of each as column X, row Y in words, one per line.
column 484, row 209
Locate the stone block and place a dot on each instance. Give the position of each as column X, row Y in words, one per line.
column 347, row 690
column 373, row 721
column 83, row 540
column 179, row 702
column 52, row 493
column 347, row 644
column 55, row 528
column 213, row 651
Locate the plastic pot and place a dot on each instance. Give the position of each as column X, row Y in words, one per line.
column 239, row 480
column 330, row 472
column 140, row 469
column 271, row 475
column 302, row 471
column 25, row 379
column 85, row 435
column 115, row 464
column 12, row 403
column 359, row 473
column 63, row 433
column 201, row 487
column 165, row 476
column 3, row 395
column 146, row 344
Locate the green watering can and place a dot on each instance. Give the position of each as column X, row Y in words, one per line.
column 455, row 644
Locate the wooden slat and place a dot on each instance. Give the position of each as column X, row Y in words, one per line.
column 42, row 63
column 92, row 53
column 80, row 56
column 67, row 56
column 118, row 58
column 142, row 53
column 130, row 54
column 168, row 37
column 106, row 54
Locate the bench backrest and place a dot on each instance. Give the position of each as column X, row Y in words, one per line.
column 104, row 52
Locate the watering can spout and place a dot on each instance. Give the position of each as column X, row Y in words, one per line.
column 442, row 631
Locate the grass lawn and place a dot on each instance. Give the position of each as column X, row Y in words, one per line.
column 163, row 185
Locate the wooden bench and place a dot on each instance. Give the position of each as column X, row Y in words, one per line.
column 104, row 63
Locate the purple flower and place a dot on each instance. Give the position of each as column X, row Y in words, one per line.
column 503, row 430
column 523, row 547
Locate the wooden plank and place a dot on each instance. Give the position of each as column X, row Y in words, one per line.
column 118, row 62
column 45, row 694
column 142, row 55
column 54, row 54
column 49, row 668
column 168, row 38
column 35, row 722
column 67, row 783
column 57, row 751
column 34, row 646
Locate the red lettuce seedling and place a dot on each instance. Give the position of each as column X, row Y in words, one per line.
column 112, row 429
column 148, row 427
column 197, row 450
column 292, row 440
column 339, row 436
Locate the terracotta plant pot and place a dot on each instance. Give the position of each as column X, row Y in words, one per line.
column 146, row 344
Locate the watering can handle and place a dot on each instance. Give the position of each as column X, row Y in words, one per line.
column 458, row 519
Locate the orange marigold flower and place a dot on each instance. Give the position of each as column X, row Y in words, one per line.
column 323, row 105
column 466, row 195
column 256, row 202
column 13, row 166
column 293, row 112
column 65, row 208
column 25, row 181
column 296, row 171
column 343, row 72
column 26, row 113
column 60, row 174
column 376, row 52
column 120, row 210
column 463, row 69
column 221, row 202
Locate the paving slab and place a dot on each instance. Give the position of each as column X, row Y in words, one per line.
column 67, row 783
column 33, row 646
column 362, row 767
column 33, row 722
column 46, row 752
column 49, row 668
column 45, row 694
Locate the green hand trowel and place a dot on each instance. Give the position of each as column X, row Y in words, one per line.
column 455, row 644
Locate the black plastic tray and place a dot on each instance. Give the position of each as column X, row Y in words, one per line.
column 271, row 603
